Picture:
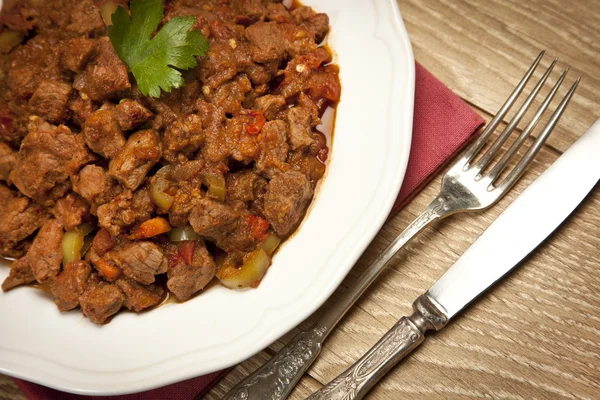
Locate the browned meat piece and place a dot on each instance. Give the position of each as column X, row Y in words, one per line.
column 300, row 121
column 286, row 200
column 268, row 42
column 242, row 185
column 222, row 63
column 242, row 238
column 191, row 268
column 131, row 114
column 103, row 242
column 317, row 23
column 273, row 148
column 228, row 97
column 299, row 71
column 124, row 210
column 8, row 160
column 19, row 218
column 183, row 138
column 101, row 300
column 45, row 254
column 139, row 297
column 95, row 185
column 213, row 220
column 76, row 53
column 86, row 19
column 270, row 105
column 48, row 156
column 50, row 101
column 20, row 274
column 244, row 145
column 140, row 261
column 140, row 153
column 309, row 165
column 102, row 133
column 70, row 285
column 278, row 13
column 9, row 126
column 70, row 210
column 81, row 107
column 249, row 11
column 106, row 76
column 32, row 63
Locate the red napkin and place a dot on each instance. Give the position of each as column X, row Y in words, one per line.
column 443, row 124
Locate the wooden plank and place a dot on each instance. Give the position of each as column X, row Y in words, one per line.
column 480, row 49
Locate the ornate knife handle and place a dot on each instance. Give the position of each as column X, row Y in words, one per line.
column 277, row 378
column 397, row 343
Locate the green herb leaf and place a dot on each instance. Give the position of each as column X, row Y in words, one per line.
column 153, row 61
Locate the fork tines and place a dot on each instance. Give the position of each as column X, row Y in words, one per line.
column 492, row 176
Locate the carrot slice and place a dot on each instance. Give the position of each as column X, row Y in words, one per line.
column 150, row 228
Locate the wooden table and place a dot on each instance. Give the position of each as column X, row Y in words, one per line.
column 537, row 334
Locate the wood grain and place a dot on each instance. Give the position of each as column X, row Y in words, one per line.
column 536, row 335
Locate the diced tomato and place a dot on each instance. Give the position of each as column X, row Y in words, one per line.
column 186, row 251
column 258, row 227
column 256, row 124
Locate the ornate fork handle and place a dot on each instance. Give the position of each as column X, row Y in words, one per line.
column 276, row 379
column 397, row 343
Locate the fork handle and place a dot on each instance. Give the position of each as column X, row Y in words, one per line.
column 406, row 335
column 277, row 378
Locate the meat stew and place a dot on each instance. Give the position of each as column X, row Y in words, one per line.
column 111, row 198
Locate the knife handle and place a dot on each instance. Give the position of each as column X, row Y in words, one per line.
column 397, row 343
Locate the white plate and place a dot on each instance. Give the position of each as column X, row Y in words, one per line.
column 221, row 327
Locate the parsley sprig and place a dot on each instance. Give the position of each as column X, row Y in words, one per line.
column 153, row 62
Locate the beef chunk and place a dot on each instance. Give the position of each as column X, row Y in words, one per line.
column 188, row 275
column 8, row 160
column 278, row 13
column 124, row 210
column 70, row 210
column 95, row 185
column 270, row 105
column 20, row 274
column 316, row 23
column 140, row 261
column 140, row 153
column 19, row 218
column 9, row 126
column 106, row 76
column 213, row 220
column 139, row 297
column 268, row 42
column 273, row 148
column 300, row 120
column 70, row 285
column 81, row 106
column 242, row 185
column 287, row 197
column 102, row 133
column 45, row 254
column 101, row 300
column 131, row 114
column 76, row 53
column 86, row 19
column 48, row 156
column 50, row 101
column 183, row 137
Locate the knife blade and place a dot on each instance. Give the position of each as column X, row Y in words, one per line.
column 537, row 212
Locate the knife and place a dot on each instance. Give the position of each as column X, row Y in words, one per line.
column 534, row 215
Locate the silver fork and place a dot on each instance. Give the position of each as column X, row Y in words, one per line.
column 465, row 187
